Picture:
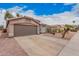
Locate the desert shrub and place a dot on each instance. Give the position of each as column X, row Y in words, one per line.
column 66, row 29
column 57, row 30
column 53, row 30
column 61, row 30
column 4, row 31
column 48, row 30
column 73, row 29
column 68, row 26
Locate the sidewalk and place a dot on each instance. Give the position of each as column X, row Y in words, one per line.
column 72, row 48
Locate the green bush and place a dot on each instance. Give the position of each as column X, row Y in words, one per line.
column 73, row 29
column 68, row 26
column 53, row 31
column 61, row 30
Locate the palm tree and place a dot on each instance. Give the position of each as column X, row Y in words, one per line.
column 18, row 15
column 8, row 15
column 73, row 21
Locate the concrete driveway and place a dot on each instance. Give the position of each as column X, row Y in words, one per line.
column 41, row 45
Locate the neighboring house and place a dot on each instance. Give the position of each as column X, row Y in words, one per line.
column 23, row 26
column 43, row 28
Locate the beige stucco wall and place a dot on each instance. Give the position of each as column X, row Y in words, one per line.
column 11, row 30
column 19, row 21
column 34, row 23
column 38, row 30
column 38, row 26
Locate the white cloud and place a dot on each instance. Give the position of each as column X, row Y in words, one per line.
column 75, row 10
column 16, row 9
column 28, row 13
column 61, row 18
column 66, row 18
column 13, row 11
column 2, row 13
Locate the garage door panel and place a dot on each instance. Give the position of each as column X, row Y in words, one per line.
column 22, row 30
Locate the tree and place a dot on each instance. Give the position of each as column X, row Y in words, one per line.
column 73, row 21
column 18, row 15
column 8, row 15
column 66, row 29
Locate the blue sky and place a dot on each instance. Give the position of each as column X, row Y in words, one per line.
column 41, row 8
column 48, row 13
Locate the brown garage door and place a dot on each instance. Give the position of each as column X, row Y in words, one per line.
column 22, row 30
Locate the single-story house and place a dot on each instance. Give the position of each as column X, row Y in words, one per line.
column 23, row 26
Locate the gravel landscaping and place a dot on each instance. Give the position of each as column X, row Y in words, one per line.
column 9, row 47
